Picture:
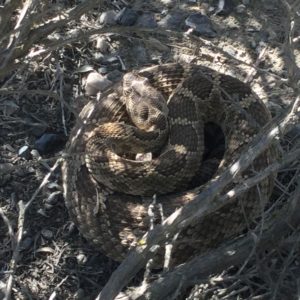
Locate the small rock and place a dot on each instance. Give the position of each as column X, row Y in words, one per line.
column 108, row 18
column 168, row 3
column 225, row 7
column 102, row 45
column 241, row 8
column 35, row 153
column 126, row 17
column 201, row 25
column 49, row 142
column 26, row 243
column 85, row 69
column 146, row 20
column 47, row 234
column 81, row 258
column 174, row 20
column 95, row 83
column 24, row 152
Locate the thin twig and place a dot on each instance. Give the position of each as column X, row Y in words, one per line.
column 21, row 219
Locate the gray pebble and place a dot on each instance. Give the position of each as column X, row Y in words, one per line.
column 49, row 142
column 81, row 258
column 24, row 152
column 201, row 24
column 102, row 45
column 146, row 20
column 108, row 18
column 173, row 20
column 47, row 234
column 85, row 69
column 26, row 243
column 95, row 83
column 126, row 17
column 225, row 7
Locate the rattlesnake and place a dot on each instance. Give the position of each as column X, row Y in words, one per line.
column 108, row 192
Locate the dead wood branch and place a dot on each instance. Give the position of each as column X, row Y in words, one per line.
column 23, row 208
column 22, row 38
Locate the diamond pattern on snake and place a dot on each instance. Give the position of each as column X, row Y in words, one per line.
column 177, row 113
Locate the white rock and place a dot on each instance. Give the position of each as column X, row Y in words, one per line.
column 95, row 83
column 102, row 45
column 108, row 18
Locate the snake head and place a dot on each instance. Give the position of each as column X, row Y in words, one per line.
column 145, row 105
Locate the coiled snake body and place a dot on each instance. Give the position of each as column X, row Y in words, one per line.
column 162, row 110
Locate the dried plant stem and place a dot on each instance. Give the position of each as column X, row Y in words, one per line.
column 21, row 219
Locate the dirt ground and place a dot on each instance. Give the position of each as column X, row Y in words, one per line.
column 56, row 262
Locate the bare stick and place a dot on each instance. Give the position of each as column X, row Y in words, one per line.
column 40, row 32
column 9, row 226
column 219, row 259
column 21, row 219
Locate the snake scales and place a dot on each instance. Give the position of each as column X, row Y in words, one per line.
column 108, row 192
